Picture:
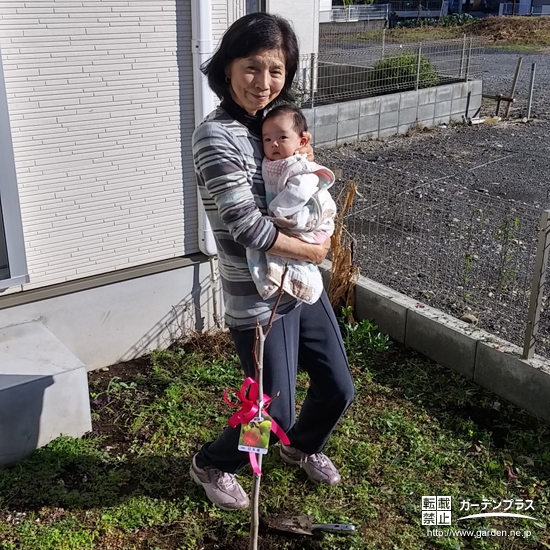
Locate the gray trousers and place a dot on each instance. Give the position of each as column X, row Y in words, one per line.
column 309, row 336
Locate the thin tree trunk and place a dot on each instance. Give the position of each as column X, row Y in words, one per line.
column 258, row 353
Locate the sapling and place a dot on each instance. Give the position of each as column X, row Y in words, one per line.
column 258, row 353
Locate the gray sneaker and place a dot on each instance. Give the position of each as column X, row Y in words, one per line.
column 221, row 488
column 317, row 466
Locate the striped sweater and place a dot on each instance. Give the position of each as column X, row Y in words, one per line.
column 228, row 164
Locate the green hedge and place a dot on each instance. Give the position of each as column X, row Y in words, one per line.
column 397, row 72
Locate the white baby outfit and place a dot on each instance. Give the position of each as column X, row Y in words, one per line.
column 298, row 200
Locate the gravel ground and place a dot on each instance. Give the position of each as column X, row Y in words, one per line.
column 449, row 215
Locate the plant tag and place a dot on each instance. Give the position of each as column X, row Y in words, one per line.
column 255, row 435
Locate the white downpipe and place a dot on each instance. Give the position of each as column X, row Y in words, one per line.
column 201, row 44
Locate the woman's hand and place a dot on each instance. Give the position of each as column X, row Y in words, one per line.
column 292, row 247
column 320, row 251
column 307, row 149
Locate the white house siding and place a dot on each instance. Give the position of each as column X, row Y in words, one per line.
column 220, row 10
column 100, row 97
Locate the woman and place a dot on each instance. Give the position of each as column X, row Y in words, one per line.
column 254, row 66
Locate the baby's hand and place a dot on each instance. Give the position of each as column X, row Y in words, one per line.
column 320, row 237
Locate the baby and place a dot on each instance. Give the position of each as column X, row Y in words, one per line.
column 298, row 200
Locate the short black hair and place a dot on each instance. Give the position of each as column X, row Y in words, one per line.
column 299, row 122
column 247, row 36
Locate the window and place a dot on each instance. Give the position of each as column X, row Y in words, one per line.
column 13, row 262
column 255, row 5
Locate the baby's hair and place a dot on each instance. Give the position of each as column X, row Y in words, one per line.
column 299, row 122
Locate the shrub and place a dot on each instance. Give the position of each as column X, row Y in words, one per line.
column 398, row 72
column 456, row 19
column 451, row 20
column 415, row 23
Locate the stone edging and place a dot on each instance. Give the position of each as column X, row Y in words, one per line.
column 487, row 360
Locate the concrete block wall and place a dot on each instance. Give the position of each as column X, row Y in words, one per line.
column 383, row 116
column 43, row 391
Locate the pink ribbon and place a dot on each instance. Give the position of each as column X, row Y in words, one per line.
column 248, row 410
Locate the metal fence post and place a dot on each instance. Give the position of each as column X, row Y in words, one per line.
column 537, row 285
column 383, row 42
column 531, row 86
column 312, row 78
column 468, row 60
column 463, row 56
column 418, row 66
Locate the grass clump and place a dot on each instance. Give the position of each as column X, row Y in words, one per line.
column 414, row 429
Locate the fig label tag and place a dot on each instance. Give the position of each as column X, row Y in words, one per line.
column 254, row 437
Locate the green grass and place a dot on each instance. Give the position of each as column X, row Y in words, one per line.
column 525, row 48
column 414, row 429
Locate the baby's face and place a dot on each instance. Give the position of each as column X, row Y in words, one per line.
column 279, row 138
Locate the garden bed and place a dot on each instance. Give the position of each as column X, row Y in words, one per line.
column 414, row 429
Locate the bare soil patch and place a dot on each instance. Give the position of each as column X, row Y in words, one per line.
column 512, row 30
column 501, row 31
column 487, row 168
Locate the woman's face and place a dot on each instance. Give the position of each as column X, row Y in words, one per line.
column 257, row 80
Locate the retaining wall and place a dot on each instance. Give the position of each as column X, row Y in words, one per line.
column 491, row 362
column 383, row 116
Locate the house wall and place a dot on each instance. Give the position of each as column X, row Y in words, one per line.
column 304, row 16
column 540, row 7
column 100, row 100
column 119, row 316
column 221, row 10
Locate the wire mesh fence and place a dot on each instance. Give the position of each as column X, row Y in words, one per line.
column 455, row 249
column 360, row 13
column 337, row 37
column 357, row 70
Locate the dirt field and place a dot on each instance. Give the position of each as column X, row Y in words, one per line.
column 447, row 174
column 504, row 31
column 512, row 30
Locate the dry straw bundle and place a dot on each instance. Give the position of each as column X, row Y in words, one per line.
column 344, row 275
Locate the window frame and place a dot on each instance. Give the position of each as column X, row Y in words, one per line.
column 9, row 199
column 262, row 7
